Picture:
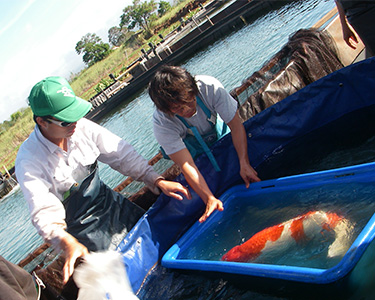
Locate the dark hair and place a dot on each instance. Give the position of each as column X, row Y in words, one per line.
column 171, row 85
column 45, row 118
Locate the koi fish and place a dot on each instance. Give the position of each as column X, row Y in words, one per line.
column 303, row 227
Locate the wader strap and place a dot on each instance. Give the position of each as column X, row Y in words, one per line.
column 213, row 121
column 206, row 149
column 198, row 136
column 205, row 110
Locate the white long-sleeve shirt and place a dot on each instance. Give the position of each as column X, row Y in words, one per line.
column 45, row 171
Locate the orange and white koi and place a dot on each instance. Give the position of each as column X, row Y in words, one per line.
column 293, row 231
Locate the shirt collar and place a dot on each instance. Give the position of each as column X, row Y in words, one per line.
column 49, row 145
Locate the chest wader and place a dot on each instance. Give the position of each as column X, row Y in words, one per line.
column 94, row 212
column 197, row 143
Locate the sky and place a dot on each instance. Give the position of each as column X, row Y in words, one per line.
column 38, row 39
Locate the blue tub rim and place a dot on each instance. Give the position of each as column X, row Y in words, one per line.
column 290, row 273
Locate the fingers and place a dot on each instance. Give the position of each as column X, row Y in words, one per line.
column 254, row 175
column 206, row 214
column 351, row 44
column 203, row 218
column 67, row 271
column 351, row 40
column 210, row 208
column 220, row 206
column 255, row 179
column 186, row 192
column 68, row 268
column 72, row 250
column 176, row 196
column 247, row 182
column 179, row 192
column 174, row 189
column 250, row 177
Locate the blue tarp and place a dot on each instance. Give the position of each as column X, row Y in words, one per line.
column 333, row 99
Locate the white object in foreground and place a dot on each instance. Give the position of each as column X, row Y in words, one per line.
column 101, row 276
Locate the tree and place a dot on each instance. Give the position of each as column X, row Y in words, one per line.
column 93, row 49
column 117, row 36
column 139, row 14
column 164, row 6
column 15, row 116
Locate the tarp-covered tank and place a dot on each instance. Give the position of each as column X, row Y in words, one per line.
column 299, row 134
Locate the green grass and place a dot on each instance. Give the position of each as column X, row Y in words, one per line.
column 11, row 139
column 170, row 13
column 84, row 85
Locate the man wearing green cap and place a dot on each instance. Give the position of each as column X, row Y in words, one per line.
column 56, row 168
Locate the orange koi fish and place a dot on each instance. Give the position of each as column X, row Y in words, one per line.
column 303, row 227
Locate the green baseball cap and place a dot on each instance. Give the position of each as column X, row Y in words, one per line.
column 54, row 97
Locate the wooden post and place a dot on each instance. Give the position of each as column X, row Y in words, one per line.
column 6, row 171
